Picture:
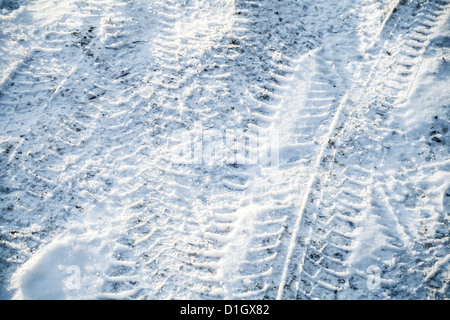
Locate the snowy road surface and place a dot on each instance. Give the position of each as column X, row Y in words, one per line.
column 224, row 149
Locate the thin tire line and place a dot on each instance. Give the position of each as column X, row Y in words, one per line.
column 307, row 194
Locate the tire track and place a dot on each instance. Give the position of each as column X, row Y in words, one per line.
column 165, row 222
column 68, row 177
column 330, row 266
column 264, row 225
column 132, row 118
column 208, row 255
column 153, row 74
column 41, row 129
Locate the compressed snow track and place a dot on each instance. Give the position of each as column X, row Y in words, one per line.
column 342, row 246
column 100, row 93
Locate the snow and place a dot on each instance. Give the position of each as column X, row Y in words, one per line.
column 64, row 268
column 224, row 149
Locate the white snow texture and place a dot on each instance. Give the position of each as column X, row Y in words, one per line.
column 224, row 149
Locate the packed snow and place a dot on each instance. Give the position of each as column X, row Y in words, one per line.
column 224, row 149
